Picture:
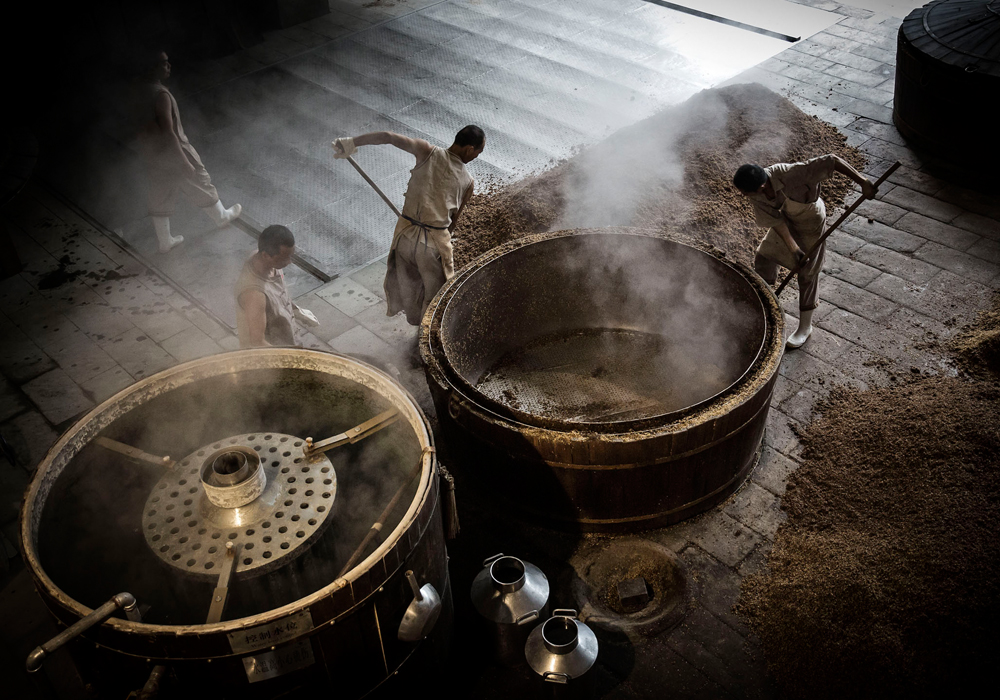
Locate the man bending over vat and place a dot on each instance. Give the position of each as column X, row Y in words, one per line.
column 420, row 257
column 786, row 200
column 265, row 314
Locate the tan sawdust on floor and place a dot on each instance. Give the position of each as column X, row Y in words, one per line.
column 682, row 162
column 978, row 345
column 884, row 581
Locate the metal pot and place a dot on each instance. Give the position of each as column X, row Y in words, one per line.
column 510, row 594
column 562, row 648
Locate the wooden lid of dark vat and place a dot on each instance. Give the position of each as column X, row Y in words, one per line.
column 961, row 33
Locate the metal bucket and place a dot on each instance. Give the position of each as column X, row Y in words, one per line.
column 128, row 499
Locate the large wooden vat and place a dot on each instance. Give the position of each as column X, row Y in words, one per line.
column 605, row 379
column 313, row 616
column 947, row 82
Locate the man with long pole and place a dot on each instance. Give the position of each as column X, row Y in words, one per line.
column 420, row 257
column 786, row 199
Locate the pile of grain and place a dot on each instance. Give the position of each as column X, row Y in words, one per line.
column 978, row 345
column 885, row 579
column 671, row 172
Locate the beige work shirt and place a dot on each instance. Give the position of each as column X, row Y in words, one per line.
column 799, row 182
column 796, row 204
column 156, row 144
column 434, row 194
column 279, row 328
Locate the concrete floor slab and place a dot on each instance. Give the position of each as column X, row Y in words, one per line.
column 719, row 597
column 392, row 329
column 190, row 344
column 963, row 264
column 986, row 249
column 347, row 296
column 800, row 407
column 757, row 508
column 848, row 269
column 946, row 297
column 94, row 316
column 137, row 354
column 724, row 537
column 20, row 358
column 365, row 345
column 57, row 396
column 981, row 225
column 773, row 470
column 934, row 230
column 13, row 482
column 263, row 134
column 106, row 384
column 12, row 402
column 372, row 277
column 80, row 357
column 30, row 436
column 881, row 234
column 890, row 261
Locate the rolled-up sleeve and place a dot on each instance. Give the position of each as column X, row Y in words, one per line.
column 816, row 170
column 801, row 181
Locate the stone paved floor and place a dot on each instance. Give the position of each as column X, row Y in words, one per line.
column 906, row 269
column 541, row 77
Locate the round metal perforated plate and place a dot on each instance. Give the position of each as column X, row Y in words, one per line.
column 185, row 530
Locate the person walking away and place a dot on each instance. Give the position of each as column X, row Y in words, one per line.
column 786, row 200
column 172, row 163
column 420, row 256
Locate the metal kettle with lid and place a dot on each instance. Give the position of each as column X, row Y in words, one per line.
column 510, row 594
column 562, row 648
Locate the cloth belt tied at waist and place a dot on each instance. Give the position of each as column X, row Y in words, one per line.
column 423, row 225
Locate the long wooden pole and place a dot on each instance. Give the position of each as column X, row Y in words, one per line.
column 838, row 222
column 375, row 187
column 133, row 452
column 376, row 528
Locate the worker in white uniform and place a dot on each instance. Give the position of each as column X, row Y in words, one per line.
column 172, row 163
column 420, row 257
column 786, row 200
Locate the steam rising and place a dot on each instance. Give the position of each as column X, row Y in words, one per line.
column 610, row 327
column 610, row 183
column 93, row 516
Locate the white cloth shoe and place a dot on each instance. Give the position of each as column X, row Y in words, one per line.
column 222, row 216
column 161, row 224
column 802, row 333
